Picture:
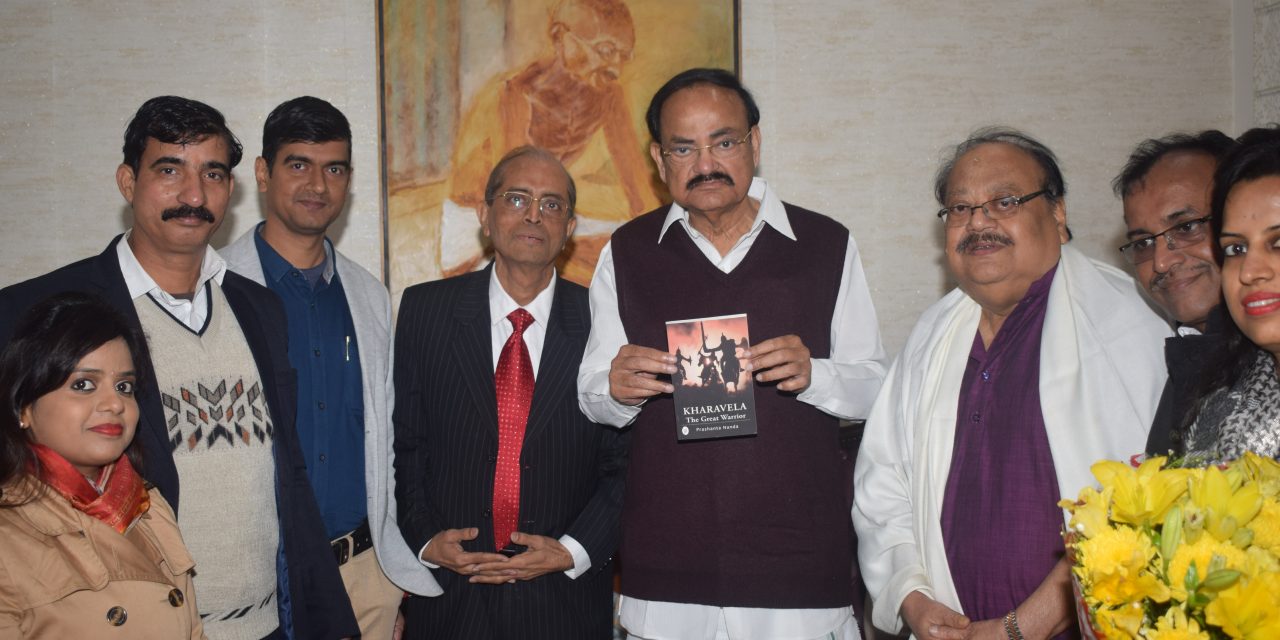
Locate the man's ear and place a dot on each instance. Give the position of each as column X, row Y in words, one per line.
column 125, row 180
column 655, row 151
column 1060, row 216
column 482, row 214
column 262, row 172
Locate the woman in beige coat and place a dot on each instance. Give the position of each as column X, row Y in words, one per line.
column 89, row 550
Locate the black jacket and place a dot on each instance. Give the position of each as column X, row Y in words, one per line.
column 318, row 601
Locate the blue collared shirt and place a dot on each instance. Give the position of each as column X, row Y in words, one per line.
column 323, row 350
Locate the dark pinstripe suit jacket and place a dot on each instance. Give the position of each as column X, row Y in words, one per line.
column 446, row 446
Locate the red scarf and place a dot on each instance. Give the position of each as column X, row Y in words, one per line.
column 123, row 496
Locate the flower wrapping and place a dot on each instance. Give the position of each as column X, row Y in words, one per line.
column 1177, row 552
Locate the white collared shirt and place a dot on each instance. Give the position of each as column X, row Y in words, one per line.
column 501, row 304
column 844, row 385
column 194, row 312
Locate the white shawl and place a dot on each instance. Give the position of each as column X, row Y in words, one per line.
column 1101, row 374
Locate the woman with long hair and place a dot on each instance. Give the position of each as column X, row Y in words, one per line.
column 89, row 549
column 1238, row 409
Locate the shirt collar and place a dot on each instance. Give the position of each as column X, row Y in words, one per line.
column 771, row 212
column 275, row 267
column 501, row 304
column 140, row 283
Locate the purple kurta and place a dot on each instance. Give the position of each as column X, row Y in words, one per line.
column 1000, row 521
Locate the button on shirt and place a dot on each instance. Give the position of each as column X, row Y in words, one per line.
column 323, row 350
column 844, row 385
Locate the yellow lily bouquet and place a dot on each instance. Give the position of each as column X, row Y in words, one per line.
column 1165, row 553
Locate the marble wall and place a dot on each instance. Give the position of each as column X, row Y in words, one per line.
column 858, row 100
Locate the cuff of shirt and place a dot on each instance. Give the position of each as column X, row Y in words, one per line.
column 581, row 560
column 422, row 552
column 822, row 388
column 602, row 408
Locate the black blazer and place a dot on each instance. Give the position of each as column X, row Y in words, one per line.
column 446, row 428
column 1186, row 358
column 318, row 601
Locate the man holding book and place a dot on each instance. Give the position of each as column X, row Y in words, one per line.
column 744, row 537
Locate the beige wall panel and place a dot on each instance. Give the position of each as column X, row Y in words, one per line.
column 74, row 72
column 858, row 100
column 1266, row 62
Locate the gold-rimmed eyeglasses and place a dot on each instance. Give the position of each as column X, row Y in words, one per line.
column 548, row 205
column 724, row 149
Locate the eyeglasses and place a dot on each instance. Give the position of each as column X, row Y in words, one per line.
column 1179, row 236
column 551, row 206
column 957, row 215
column 728, row 148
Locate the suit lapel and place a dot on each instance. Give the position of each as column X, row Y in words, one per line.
column 561, row 355
column 473, row 348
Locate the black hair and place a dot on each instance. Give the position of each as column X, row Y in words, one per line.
column 688, row 78
column 1256, row 156
column 303, row 119
column 48, row 342
column 175, row 120
column 1210, row 142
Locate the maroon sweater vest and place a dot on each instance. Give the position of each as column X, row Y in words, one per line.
column 743, row 522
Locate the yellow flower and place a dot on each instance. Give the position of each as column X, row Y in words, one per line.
column 1200, row 553
column 1248, row 610
column 1266, row 526
column 1226, row 501
column 1141, row 496
column 1174, row 625
column 1264, row 471
column 1116, row 563
column 1119, row 623
column 1089, row 514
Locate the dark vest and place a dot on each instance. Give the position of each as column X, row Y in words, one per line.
column 743, row 522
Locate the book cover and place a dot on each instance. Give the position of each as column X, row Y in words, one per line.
column 714, row 396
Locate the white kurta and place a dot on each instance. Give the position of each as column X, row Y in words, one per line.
column 1101, row 374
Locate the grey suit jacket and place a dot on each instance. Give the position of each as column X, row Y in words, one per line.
column 371, row 313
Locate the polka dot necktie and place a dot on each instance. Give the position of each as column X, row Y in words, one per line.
column 513, row 381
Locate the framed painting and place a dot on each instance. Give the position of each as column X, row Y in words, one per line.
column 464, row 81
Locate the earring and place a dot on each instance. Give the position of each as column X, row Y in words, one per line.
column 22, row 425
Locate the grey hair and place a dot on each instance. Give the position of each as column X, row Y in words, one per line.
column 498, row 174
column 1055, row 187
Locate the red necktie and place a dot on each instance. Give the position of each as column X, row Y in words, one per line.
column 513, row 381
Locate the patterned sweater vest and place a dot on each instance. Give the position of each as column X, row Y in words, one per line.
column 744, row 522
column 222, row 441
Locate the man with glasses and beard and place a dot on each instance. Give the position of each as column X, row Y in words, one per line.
column 748, row 537
column 1165, row 187
column 1039, row 364
column 218, row 418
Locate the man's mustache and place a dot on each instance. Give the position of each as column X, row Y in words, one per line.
column 982, row 237
column 709, row 177
column 1160, row 279
column 187, row 211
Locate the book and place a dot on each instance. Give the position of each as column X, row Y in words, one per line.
column 714, row 396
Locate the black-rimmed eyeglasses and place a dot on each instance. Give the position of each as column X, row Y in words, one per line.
column 1179, row 236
